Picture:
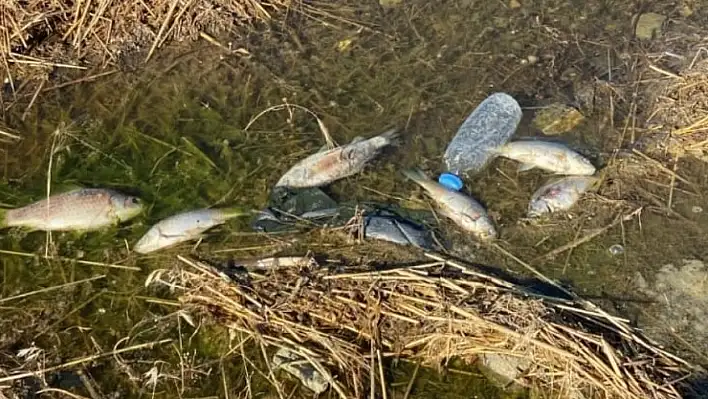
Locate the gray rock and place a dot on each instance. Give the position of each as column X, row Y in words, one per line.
column 301, row 369
column 503, row 370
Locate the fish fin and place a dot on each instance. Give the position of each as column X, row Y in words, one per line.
column 415, row 174
column 357, row 139
column 324, row 148
column 525, row 167
column 66, row 188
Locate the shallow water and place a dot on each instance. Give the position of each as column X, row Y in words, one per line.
column 176, row 135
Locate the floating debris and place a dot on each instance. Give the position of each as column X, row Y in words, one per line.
column 288, row 206
column 322, row 309
column 557, row 119
column 397, row 230
column 487, row 128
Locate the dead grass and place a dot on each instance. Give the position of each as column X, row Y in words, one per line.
column 678, row 124
column 346, row 324
column 37, row 36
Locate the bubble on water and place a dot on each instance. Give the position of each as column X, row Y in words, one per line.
column 697, row 209
column 616, row 249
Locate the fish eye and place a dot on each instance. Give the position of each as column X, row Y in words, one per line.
column 135, row 201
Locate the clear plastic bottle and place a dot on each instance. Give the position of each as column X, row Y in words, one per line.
column 487, row 128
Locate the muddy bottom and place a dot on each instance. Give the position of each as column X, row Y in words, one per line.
column 203, row 126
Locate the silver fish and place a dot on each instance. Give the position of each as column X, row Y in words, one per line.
column 559, row 195
column 458, row 207
column 183, row 227
column 84, row 209
column 552, row 157
column 324, row 167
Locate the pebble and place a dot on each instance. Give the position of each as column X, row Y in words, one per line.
column 557, row 119
column 513, row 4
column 616, row 249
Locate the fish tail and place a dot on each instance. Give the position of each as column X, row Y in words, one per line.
column 416, row 175
column 391, row 136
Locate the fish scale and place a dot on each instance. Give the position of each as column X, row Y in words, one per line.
column 83, row 209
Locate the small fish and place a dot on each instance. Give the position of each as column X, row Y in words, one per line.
column 84, row 209
column 553, row 157
column 559, row 195
column 324, row 167
column 183, row 227
column 460, row 208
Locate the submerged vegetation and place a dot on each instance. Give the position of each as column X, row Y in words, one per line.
column 217, row 122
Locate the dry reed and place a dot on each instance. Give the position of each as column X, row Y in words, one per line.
column 344, row 322
column 37, row 36
column 678, row 123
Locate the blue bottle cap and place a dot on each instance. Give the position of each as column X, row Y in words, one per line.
column 450, row 181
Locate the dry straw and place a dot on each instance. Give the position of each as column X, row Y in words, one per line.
column 678, row 122
column 345, row 324
column 39, row 35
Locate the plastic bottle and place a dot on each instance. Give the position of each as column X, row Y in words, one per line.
column 487, row 128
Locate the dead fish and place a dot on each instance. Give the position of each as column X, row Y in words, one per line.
column 82, row 209
column 552, row 157
column 183, row 227
column 559, row 195
column 324, row 167
column 458, row 207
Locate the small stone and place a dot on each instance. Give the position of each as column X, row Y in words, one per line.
column 532, row 59
column 616, row 249
column 503, row 370
column 301, row 369
column 514, row 4
column 649, row 26
column 557, row 119
column 390, row 3
column 696, row 209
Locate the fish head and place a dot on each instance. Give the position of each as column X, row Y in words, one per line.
column 485, row 229
column 586, row 167
column 538, row 207
column 126, row 206
column 480, row 226
column 148, row 242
